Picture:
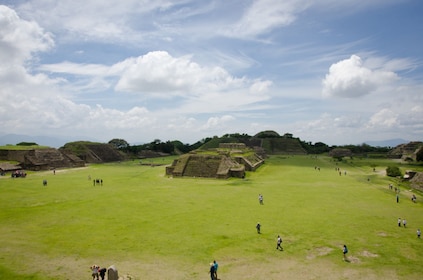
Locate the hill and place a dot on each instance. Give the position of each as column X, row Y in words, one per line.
column 270, row 142
column 92, row 152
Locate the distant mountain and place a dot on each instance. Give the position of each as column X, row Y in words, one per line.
column 387, row 143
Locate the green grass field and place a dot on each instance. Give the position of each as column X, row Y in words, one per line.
column 151, row 226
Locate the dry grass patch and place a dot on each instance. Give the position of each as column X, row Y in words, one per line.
column 318, row 252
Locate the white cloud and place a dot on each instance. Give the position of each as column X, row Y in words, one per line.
column 265, row 15
column 20, row 39
column 94, row 20
column 384, row 118
column 76, row 68
column 217, row 122
column 161, row 75
column 350, row 78
column 102, row 74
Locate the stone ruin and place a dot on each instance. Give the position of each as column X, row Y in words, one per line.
column 41, row 159
column 229, row 160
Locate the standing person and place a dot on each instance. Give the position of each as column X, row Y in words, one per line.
column 216, row 266
column 261, row 199
column 404, row 222
column 397, row 198
column 399, row 222
column 212, row 271
column 345, row 251
column 418, row 233
column 102, row 273
column 258, row 226
column 279, row 243
column 94, row 271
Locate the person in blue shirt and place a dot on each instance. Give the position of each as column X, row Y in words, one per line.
column 216, row 266
column 345, row 251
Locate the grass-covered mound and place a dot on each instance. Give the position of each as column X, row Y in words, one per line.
column 272, row 144
column 93, row 152
column 151, row 226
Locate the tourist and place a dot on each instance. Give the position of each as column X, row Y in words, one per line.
column 279, row 243
column 94, row 271
column 212, row 271
column 345, row 251
column 216, row 266
column 102, row 273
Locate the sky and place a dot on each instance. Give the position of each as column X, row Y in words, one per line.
column 337, row 72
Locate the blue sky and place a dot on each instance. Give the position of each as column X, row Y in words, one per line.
column 338, row 72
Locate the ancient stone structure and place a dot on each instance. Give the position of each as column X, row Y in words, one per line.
column 232, row 146
column 41, row 159
column 229, row 160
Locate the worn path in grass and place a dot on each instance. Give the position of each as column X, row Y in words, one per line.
column 154, row 227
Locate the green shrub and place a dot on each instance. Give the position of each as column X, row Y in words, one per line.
column 393, row 171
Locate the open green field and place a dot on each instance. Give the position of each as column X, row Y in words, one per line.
column 151, row 226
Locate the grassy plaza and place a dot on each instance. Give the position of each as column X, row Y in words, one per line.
column 151, row 226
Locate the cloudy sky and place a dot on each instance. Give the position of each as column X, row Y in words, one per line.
column 338, row 72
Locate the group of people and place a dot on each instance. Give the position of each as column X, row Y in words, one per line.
column 404, row 222
column 97, row 272
column 397, row 191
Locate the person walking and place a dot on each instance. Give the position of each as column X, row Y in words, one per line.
column 212, row 271
column 102, row 272
column 418, row 233
column 261, row 199
column 399, row 222
column 258, row 227
column 345, row 251
column 404, row 222
column 279, row 243
column 216, row 266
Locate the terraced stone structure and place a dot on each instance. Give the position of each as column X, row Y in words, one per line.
column 229, row 160
column 41, row 159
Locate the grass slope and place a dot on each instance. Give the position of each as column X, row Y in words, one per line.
column 154, row 227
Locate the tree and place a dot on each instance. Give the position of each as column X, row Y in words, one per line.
column 393, row 171
column 27, row 144
column 120, row 144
